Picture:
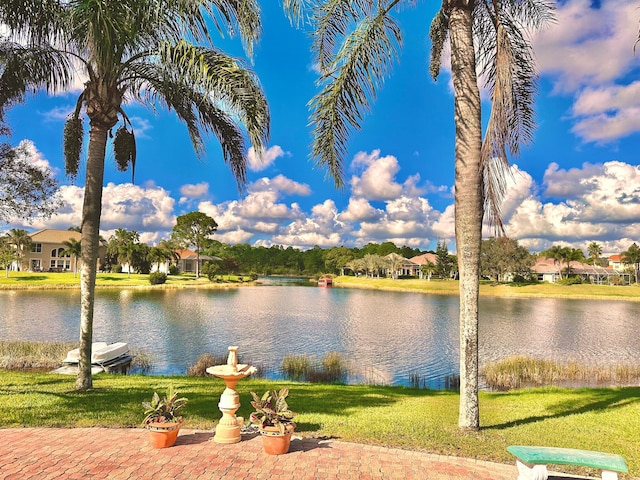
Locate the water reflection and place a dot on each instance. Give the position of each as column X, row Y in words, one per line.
column 387, row 336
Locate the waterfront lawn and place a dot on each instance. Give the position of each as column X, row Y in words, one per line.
column 595, row 419
column 488, row 288
column 20, row 280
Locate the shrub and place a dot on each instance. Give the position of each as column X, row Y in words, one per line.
column 157, row 278
column 116, row 269
column 174, row 270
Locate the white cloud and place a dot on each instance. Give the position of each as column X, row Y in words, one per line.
column 588, row 46
column 589, row 53
column 360, row 209
column 377, row 181
column 197, row 190
column 258, row 163
column 279, row 183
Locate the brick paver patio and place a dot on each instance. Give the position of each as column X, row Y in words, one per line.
column 125, row 454
column 94, row 453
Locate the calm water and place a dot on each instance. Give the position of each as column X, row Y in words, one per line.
column 385, row 335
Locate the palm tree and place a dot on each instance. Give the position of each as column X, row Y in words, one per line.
column 595, row 252
column 21, row 240
column 557, row 253
column 74, row 248
column 427, row 269
column 483, row 33
column 571, row 255
column 395, row 262
column 631, row 257
column 156, row 52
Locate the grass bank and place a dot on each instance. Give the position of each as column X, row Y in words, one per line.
column 23, row 280
column 596, row 419
column 450, row 287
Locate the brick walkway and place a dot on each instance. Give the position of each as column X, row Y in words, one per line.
column 94, row 453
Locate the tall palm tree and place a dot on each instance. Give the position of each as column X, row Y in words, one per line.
column 74, row 248
column 557, row 253
column 595, row 252
column 631, row 257
column 156, row 52
column 487, row 34
column 21, row 241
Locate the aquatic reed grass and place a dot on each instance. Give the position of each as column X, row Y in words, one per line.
column 332, row 368
column 32, row 356
column 522, row 372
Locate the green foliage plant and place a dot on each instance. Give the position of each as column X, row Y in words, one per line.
column 164, row 409
column 157, row 278
column 272, row 409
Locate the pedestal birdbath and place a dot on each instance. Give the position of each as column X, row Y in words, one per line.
column 228, row 429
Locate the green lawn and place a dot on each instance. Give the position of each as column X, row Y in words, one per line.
column 17, row 280
column 596, row 419
column 546, row 290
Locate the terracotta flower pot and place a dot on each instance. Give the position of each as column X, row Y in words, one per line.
column 274, row 442
column 163, row 435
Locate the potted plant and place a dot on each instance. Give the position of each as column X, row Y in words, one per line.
column 274, row 419
column 162, row 418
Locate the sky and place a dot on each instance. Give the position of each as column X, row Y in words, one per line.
column 579, row 182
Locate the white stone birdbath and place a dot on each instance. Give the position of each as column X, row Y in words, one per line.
column 228, row 429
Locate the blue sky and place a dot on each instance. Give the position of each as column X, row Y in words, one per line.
column 579, row 182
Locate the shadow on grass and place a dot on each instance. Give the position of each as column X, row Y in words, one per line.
column 594, row 400
column 51, row 400
column 31, row 278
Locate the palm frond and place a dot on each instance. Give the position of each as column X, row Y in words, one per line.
column 33, row 21
column 229, row 83
column 332, row 19
column 506, row 60
column 28, row 69
column 297, row 11
column 204, row 111
column 359, row 68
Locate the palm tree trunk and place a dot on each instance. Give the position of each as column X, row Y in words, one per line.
column 469, row 204
column 91, row 211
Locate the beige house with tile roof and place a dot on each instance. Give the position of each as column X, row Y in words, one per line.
column 47, row 251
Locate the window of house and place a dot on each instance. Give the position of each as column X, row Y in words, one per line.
column 54, row 252
column 36, row 247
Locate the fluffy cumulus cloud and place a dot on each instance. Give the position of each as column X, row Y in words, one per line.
column 194, row 191
column 258, row 163
column 377, row 178
column 588, row 53
column 599, row 203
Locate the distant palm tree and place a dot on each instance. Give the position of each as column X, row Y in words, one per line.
column 149, row 51
column 571, row 255
column 395, row 262
column 74, row 248
column 427, row 269
column 595, row 252
column 556, row 253
column 631, row 257
column 21, row 240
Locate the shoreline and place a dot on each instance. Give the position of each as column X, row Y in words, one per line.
column 627, row 293
column 631, row 293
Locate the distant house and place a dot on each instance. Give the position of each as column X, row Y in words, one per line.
column 548, row 270
column 188, row 260
column 423, row 259
column 615, row 262
column 407, row 268
column 47, row 251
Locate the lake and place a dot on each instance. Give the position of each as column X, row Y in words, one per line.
column 385, row 336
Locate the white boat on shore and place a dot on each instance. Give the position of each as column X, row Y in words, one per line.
column 105, row 357
column 101, row 353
